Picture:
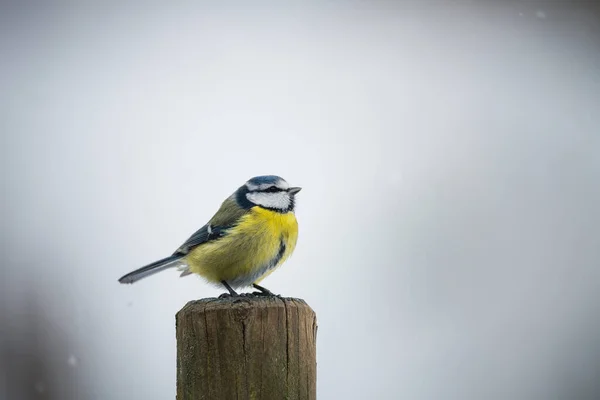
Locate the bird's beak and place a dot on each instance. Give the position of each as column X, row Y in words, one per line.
column 294, row 190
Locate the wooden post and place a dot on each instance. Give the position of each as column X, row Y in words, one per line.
column 246, row 348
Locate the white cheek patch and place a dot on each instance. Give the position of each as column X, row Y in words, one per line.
column 280, row 201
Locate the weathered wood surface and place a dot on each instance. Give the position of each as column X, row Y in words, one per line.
column 246, row 348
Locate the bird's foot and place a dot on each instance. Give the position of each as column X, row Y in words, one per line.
column 229, row 295
column 263, row 294
column 264, row 291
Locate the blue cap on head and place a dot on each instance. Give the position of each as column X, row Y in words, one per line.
column 265, row 180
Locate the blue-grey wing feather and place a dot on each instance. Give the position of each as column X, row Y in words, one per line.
column 200, row 236
column 226, row 218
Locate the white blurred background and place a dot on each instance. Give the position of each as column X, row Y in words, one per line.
column 450, row 160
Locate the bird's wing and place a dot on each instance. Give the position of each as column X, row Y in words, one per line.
column 226, row 218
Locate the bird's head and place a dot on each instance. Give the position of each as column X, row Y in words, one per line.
column 268, row 191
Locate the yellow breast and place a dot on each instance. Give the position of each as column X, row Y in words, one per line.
column 260, row 242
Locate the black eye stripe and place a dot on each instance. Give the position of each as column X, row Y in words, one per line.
column 272, row 189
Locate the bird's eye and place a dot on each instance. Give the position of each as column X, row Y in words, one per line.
column 272, row 189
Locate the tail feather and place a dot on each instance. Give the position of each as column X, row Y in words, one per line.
column 151, row 269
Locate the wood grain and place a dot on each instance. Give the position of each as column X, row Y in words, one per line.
column 246, row 348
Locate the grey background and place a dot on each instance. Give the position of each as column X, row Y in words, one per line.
column 449, row 154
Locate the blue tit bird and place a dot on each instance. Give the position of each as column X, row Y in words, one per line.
column 254, row 231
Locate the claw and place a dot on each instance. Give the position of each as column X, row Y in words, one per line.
column 264, row 291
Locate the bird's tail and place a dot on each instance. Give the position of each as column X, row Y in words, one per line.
column 151, row 269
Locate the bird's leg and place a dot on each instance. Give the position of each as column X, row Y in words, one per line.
column 263, row 291
column 232, row 293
